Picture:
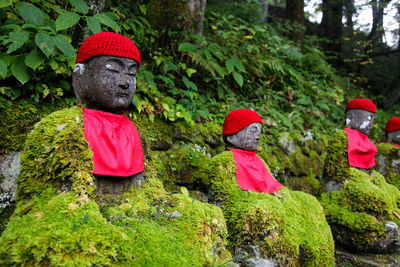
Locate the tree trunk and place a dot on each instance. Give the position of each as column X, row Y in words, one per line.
column 264, row 7
column 376, row 33
column 81, row 33
column 331, row 26
column 349, row 9
column 295, row 13
column 195, row 18
column 177, row 15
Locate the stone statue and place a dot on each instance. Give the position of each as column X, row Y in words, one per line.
column 388, row 157
column 104, row 81
column 392, row 130
column 258, row 209
column 360, row 218
column 77, row 170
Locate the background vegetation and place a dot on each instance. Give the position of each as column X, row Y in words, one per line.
column 197, row 66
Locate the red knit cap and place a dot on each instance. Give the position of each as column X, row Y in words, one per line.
column 239, row 119
column 361, row 103
column 393, row 125
column 107, row 44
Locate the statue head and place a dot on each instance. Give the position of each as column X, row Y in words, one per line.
column 392, row 130
column 242, row 129
column 360, row 114
column 104, row 76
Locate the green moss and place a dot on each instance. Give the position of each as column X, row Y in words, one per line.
column 361, row 207
column 184, row 165
column 56, row 154
column 61, row 230
column 148, row 226
column 17, row 118
column 336, row 162
column 387, row 163
column 289, row 226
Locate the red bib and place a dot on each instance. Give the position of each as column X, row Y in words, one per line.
column 360, row 150
column 115, row 143
column 251, row 173
column 395, row 145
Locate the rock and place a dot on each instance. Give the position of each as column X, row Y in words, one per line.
column 260, row 263
column 287, row 146
column 10, row 166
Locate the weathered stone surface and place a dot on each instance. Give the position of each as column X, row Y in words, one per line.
column 10, row 166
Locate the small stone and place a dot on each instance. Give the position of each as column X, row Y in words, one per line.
column 176, row 214
column 287, row 145
column 60, row 127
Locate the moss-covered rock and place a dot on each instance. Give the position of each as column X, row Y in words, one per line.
column 388, row 163
column 151, row 228
column 358, row 203
column 17, row 119
column 289, row 226
column 58, row 221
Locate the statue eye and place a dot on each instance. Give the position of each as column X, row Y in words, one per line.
column 369, row 117
column 112, row 68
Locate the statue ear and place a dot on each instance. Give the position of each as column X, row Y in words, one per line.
column 229, row 138
column 77, row 84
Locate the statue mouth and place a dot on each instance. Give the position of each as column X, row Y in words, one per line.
column 121, row 94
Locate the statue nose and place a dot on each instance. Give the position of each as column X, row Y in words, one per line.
column 124, row 85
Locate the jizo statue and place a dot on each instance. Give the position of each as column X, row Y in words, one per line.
column 360, row 114
column 241, row 131
column 392, row 130
column 104, row 81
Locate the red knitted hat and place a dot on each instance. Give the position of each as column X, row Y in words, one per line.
column 238, row 120
column 393, row 125
column 107, row 44
column 361, row 103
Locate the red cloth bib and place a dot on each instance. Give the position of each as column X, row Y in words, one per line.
column 395, row 145
column 251, row 173
column 115, row 143
column 361, row 151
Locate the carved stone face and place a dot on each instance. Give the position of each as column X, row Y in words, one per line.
column 394, row 137
column 105, row 83
column 248, row 138
column 360, row 120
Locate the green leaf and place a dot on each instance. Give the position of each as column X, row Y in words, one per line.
column 45, row 42
column 93, row 24
column 105, row 20
column 238, row 78
column 186, row 47
column 3, row 69
column 4, row 3
column 207, row 54
column 189, row 84
column 67, row 20
column 190, row 72
column 17, row 40
column 220, row 70
column 31, row 14
column 229, row 65
column 80, row 5
column 34, row 59
column 19, row 70
column 238, row 64
column 64, row 46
